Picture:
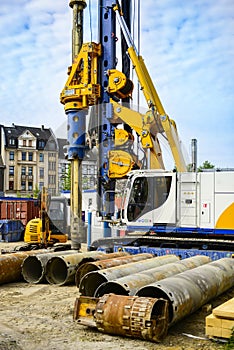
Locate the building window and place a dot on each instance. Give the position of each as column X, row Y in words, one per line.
column 41, row 173
column 41, row 144
column 23, row 155
column 52, row 179
column 24, row 143
column 23, row 170
column 41, row 157
column 11, row 170
column 30, row 156
column 30, row 170
column 12, row 141
column 41, row 184
column 30, row 186
column 52, row 166
column 11, row 185
column 30, row 143
column 23, row 185
column 52, row 155
column 12, row 155
column 92, row 181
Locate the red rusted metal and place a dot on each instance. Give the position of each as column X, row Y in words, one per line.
column 109, row 261
column 18, row 209
column 143, row 318
column 10, row 265
column 91, row 281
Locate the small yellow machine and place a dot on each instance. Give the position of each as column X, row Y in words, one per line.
column 45, row 230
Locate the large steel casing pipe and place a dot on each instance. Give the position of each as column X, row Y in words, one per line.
column 34, row 267
column 10, row 265
column 129, row 285
column 110, row 261
column 91, row 281
column 61, row 270
column 189, row 290
column 144, row 318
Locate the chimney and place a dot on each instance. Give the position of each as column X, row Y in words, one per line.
column 194, row 155
column 42, row 127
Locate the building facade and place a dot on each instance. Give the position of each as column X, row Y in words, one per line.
column 89, row 167
column 29, row 160
column 32, row 157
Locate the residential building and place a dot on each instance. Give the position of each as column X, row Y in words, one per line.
column 89, row 167
column 29, row 160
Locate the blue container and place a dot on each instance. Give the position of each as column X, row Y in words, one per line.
column 11, row 230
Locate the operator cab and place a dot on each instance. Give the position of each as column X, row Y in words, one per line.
column 150, row 198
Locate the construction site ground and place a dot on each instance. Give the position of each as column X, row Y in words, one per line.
column 35, row 317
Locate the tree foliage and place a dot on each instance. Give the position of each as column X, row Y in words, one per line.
column 66, row 179
column 205, row 165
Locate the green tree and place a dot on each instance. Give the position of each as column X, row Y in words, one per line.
column 66, row 179
column 205, row 165
column 36, row 191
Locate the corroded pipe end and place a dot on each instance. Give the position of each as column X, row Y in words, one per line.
column 144, row 318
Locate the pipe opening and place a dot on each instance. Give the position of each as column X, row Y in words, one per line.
column 56, row 271
column 157, row 293
column 32, row 269
column 110, row 287
column 83, row 270
column 90, row 283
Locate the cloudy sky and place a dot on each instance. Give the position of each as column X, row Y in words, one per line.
column 188, row 47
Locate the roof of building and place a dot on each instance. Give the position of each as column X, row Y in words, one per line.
column 62, row 150
column 14, row 131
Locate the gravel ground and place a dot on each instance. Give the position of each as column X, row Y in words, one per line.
column 35, row 317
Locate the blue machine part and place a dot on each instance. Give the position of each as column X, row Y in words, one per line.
column 107, row 38
column 180, row 230
column 76, row 133
column 182, row 253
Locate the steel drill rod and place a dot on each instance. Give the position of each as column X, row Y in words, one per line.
column 109, row 262
column 61, row 270
column 93, row 280
column 129, row 285
column 189, row 290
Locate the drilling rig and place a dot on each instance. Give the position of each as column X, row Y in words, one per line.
column 175, row 204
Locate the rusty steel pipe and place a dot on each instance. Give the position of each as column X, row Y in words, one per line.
column 109, row 262
column 102, row 256
column 10, row 266
column 61, row 270
column 34, row 267
column 129, row 285
column 93, row 280
column 189, row 290
column 144, row 318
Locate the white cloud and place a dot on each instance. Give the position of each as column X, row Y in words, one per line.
column 188, row 48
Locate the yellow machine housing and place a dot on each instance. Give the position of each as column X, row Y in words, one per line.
column 33, row 234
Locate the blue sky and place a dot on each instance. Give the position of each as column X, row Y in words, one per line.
column 188, row 47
